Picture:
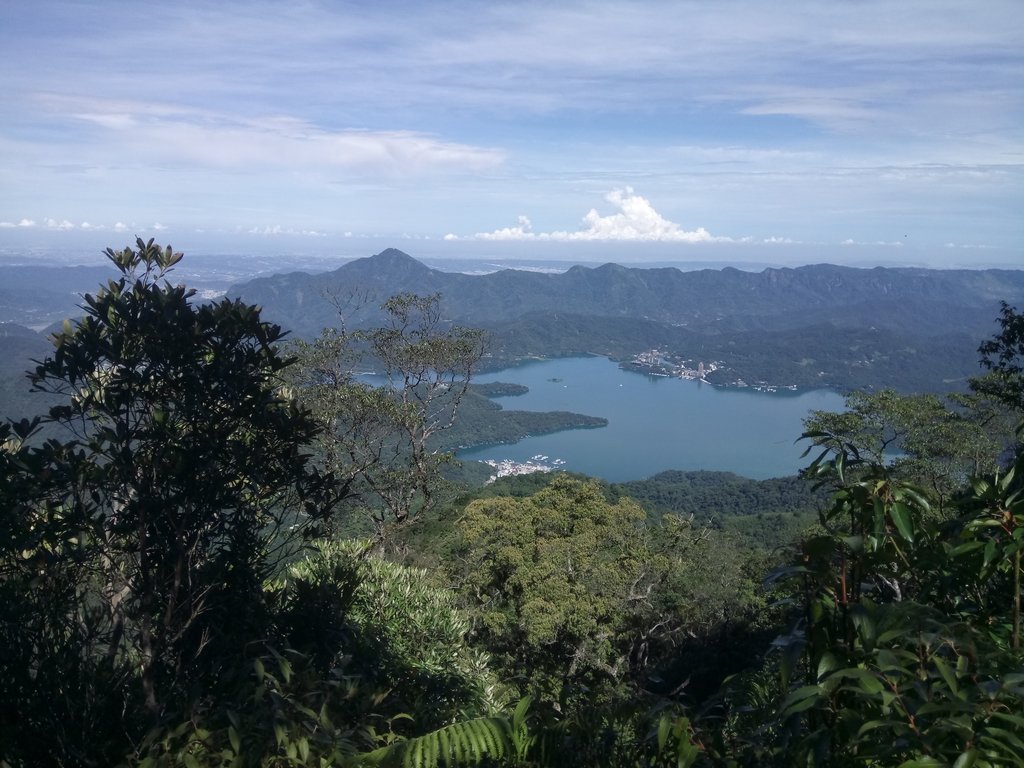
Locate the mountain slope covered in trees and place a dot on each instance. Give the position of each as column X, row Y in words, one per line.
column 174, row 589
column 819, row 325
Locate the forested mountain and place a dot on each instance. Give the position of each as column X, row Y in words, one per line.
column 913, row 300
column 913, row 329
column 177, row 586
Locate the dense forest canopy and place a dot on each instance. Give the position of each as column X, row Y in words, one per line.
column 182, row 580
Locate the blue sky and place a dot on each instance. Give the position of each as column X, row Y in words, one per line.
column 739, row 127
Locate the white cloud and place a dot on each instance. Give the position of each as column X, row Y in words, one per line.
column 158, row 227
column 220, row 140
column 637, row 220
column 522, row 231
column 886, row 243
column 120, row 227
column 62, row 225
column 277, row 229
column 274, row 230
column 972, row 246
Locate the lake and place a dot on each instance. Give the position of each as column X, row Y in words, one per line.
column 655, row 423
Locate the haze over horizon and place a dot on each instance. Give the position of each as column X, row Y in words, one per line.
column 785, row 133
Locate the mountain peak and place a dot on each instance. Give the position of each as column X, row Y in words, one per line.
column 393, row 254
column 390, row 261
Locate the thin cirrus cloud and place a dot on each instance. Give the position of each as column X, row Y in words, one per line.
column 819, row 121
column 212, row 140
column 635, row 221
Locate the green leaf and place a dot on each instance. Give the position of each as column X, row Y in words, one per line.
column 967, row 759
column 827, row 664
column 947, row 675
column 801, row 699
column 901, row 517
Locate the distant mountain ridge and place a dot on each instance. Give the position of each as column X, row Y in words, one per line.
column 617, row 310
column 912, row 298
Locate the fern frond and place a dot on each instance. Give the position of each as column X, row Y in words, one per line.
column 466, row 743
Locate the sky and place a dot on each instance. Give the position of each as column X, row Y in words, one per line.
column 684, row 130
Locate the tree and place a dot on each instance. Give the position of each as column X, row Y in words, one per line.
column 899, row 653
column 576, row 595
column 920, row 438
column 1003, row 357
column 145, row 538
column 380, row 439
column 554, row 575
column 389, row 624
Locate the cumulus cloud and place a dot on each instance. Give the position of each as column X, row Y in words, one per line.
column 61, row 225
column 120, row 227
column 636, row 220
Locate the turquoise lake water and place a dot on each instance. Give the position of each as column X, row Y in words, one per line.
column 655, row 423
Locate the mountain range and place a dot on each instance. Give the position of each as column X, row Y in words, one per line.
column 817, row 325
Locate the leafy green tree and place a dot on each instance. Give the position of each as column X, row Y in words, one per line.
column 579, row 599
column 139, row 545
column 921, row 438
column 996, row 509
column 1003, row 356
column 381, row 440
column 389, row 624
column 554, row 576
column 897, row 656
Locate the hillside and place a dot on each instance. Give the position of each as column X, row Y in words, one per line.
column 39, row 295
column 812, row 326
column 19, row 346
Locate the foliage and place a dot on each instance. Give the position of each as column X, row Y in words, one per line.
column 375, row 656
column 920, row 438
column 1003, row 356
column 143, row 541
column 579, row 601
column 347, row 606
column 900, row 664
column 554, row 575
column 163, row 600
column 766, row 513
column 381, row 439
column 660, row 738
column 482, row 740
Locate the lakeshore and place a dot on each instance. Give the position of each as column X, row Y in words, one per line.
column 655, row 423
